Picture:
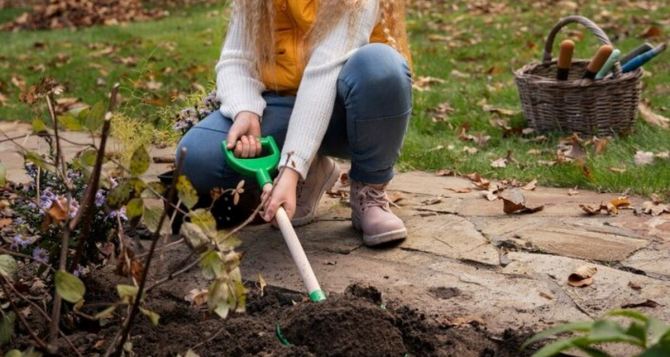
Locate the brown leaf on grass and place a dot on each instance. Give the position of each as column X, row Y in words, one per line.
column 499, row 163
column 582, row 276
column 424, row 83
column 499, row 111
column 618, row 170
column 652, row 32
column 470, row 150
column 441, row 112
column 652, row 118
column 534, row 152
column 600, row 145
column 515, row 202
column 480, row 138
column 570, row 149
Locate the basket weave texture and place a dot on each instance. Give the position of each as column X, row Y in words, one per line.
column 601, row 108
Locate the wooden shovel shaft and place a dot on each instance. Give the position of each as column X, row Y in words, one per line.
column 298, row 254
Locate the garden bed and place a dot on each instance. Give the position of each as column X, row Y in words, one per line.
column 356, row 323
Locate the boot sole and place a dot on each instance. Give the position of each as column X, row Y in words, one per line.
column 334, row 175
column 378, row 239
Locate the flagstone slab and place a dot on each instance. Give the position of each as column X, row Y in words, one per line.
column 653, row 262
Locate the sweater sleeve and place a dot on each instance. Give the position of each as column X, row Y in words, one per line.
column 316, row 95
column 236, row 84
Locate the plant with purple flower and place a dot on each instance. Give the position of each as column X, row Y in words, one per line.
column 100, row 198
column 47, row 199
column 121, row 213
column 41, row 255
column 19, row 242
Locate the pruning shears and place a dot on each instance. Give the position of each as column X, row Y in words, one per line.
column 262, row 169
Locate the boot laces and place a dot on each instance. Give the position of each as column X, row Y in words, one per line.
column 372, row 197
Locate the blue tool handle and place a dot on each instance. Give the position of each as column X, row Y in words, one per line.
column 640, row 60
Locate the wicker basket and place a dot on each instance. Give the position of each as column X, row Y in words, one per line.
column 584, row 106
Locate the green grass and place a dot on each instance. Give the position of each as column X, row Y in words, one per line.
column 181, row 50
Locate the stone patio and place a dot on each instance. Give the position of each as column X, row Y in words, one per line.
column 465, row 260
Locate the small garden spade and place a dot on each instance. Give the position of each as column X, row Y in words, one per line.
column 262, row 168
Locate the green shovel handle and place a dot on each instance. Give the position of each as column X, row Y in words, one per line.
column 261, row 167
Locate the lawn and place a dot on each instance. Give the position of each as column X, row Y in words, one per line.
column 472, row 46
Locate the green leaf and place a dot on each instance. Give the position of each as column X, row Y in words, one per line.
column 632, row 314
column 557, row 347
column 610, row 331
column 656, row 330
column 140, row 161
column 69, row 287
column 88, row 157
column 7, row 327
column 211, row 264
column 584, row 326
column 154, row 190
column 39, row 126
column 127, row 293
column 592, row 351
column 217, row 299
column 151, row 218
column 3, row 175
column 638, row 331
column 226, row 242
column 661, row 349
column 95, row 117
column 187, row 194
column 153, row 317
column 194, row 235
column 36, row 159
column 14, row 353
column 119, row 195
column 135, row 208
column 69, row 122
column 106, row 313
column 203, row 219
column 7, row 265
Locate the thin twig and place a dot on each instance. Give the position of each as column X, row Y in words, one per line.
column 44, row 314
column 62, row 265
column 118, row 347
column 16, row 254
column 163, row 247
column 25, row 324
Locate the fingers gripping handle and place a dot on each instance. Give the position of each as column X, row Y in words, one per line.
column 299, row 257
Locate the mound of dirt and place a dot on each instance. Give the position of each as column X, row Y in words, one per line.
column 351, row 324
column 56, row 14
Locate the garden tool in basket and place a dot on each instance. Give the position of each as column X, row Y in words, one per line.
column 261, row 169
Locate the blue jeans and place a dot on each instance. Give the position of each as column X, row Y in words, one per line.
column 369, row 121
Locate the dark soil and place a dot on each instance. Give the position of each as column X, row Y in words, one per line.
column 356, row 323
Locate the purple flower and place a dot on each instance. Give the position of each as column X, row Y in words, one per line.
column 100, row 198
column 74, row 208
column 80, row 271
column 47, row 199
column 119, row 212
column 41, row 255
column 19, row 242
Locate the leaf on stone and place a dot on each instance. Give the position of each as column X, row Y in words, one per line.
column 593, row 210
column 655, row 208
column 480, row 182
column 95, row 117
column 69, row 287
column 445, row 172
column 140, row 161
column 460, row 190
column 3, row 175
column 153, row 317
column 531, row 186
column 582, row 276
column 573, row 192
column 7, row 327
column 197, row 297
column 135, row 208
column 8, row 266
column 615, row 204
column 127, row 293
column 514, row 202
column 39, row 126
column 187, row 194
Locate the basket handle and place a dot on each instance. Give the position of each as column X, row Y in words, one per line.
column 597, row 31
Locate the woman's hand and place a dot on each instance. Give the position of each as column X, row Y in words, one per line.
column 283, row 195
column 244, row 135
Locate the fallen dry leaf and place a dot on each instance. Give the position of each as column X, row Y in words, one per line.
column 612, row 207
column 499, row 163
column 600, row 145
column 423, row 83
column 515, row 202
column 647, row 303
column 530, row 186
column 573, row 192
column 470, row 150
column 644, row 158
column 197, row 297
column 655, row 208
column 500, row 111
column 652, row 31
column 618, row 170
column 634, row 285
column 441, row 112
column 4, row 222
column 582, row 276
column 445, row 172
column 460, row 190
column 652, row 118
column 480, row 182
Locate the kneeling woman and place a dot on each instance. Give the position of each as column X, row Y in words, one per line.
column 324, row 78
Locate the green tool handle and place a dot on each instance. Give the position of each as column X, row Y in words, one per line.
column 261, row 167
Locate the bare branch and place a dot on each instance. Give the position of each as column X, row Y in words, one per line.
column 18, row 313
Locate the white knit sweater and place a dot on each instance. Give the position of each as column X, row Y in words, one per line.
column 239, row 90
